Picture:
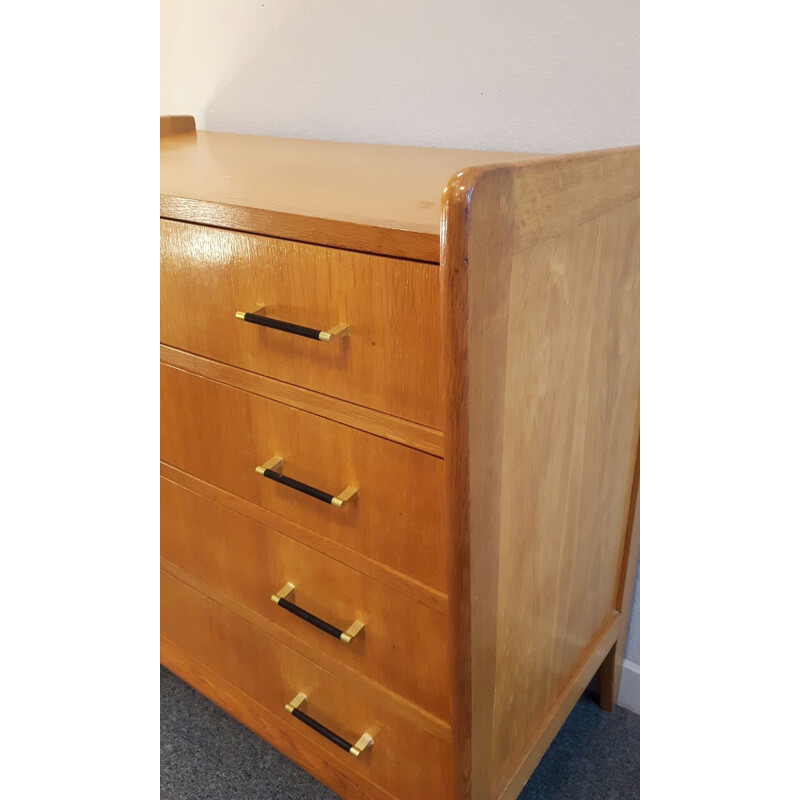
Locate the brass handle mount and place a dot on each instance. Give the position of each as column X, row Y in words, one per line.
column 346, row 636
column 356, row 749
column 272, row 471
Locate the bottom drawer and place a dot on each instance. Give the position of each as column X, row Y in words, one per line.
column 404, row 760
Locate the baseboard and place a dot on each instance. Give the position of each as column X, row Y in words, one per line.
column 629, row 686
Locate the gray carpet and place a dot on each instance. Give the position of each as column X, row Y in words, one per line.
column 207, row 755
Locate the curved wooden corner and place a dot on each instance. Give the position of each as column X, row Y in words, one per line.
column 453, row 298
column 171, row 126
column 477, row 215
column 540, row 310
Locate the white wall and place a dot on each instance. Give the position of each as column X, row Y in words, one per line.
column 543, row 75
column 629, row 692
column 632, row 648
column 538, row 76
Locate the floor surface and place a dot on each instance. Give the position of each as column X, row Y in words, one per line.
column 208, row 755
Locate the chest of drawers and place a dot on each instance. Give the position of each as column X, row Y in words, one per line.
column 399, row 444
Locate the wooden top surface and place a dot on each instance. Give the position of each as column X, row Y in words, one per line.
column 374, row 198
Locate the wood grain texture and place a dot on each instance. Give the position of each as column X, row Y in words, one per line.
column 476, row 319
column 397, row 581
column 455, row 297
column 563, row 705
column 571, row 397
column 403, row 645
column 390, row 362
column 173, row 126
column 540, row 315
column 275, row 729
column 415, row 714
column 371, row 198
column 487, row 411
column 404, row 761
column 402, row 431
column 558, row 193
column 220, row 434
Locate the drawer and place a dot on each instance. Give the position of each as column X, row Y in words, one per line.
column 221, row 434
column 404, row 759
column 403, row 645
column 391, row 359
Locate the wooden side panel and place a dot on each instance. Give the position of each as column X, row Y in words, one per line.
column 540, row 313
column 571, row 399
column 561, row 707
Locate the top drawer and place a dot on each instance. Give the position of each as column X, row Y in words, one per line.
column 389, row 362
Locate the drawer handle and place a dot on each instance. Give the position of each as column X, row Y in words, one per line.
column 345, row 636
column 258, row 317
column 270, row 470
column 354, row 749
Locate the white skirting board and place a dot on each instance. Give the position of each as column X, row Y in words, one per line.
column 629, row 686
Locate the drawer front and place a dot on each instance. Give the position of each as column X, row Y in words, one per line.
column 391, row 359
column 221, row 434
column 405, row 760
column 403, row 645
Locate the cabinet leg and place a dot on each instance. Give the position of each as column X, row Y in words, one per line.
column 608, row 678
column 610, row 671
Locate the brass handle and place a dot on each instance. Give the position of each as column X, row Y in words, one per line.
column 258, row 317
column 344, row 636
column 354, row 749
column 270, row 470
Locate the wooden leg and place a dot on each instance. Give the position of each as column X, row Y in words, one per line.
column 608, row 678
column 610, row 671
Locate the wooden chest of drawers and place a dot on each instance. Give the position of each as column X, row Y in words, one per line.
column 399, row 448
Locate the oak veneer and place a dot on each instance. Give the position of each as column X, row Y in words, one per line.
column 497, row 465
column 402, row 431
column 221, row 434
column 391, row 359
column 405, row 760
column 312, row 756
column 400, row 582
column 362, row 197
column 540, row 314
column 172, row 126
column 249, row 563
